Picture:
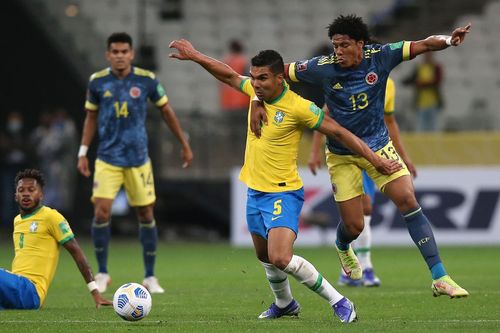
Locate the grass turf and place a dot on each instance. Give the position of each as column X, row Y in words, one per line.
column 216, row 288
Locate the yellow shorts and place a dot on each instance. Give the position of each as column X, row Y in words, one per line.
column 345, row 172
column 138, row 182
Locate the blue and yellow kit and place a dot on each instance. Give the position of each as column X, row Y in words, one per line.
column 122, row 107
column 37, row 239
column 355, row 97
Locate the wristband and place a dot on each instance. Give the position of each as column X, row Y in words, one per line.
column 256, row 99
column 92, row 286
column 448, row 41
column 83, row 151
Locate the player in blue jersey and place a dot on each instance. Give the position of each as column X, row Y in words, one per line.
column 116, row 107
column 353, row 79
column 39, row 233
column 362, row 245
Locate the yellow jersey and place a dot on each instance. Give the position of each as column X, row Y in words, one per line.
column 37, row 237
column 390, row 95
column 271, row 160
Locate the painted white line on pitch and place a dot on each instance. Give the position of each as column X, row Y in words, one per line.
column 149, row 323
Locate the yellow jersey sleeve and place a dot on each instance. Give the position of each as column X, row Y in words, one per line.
column 246, row 87
column 309, row 113
column 390, row 95
column 59, row 228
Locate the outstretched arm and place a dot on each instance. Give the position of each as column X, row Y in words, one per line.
column 439, row 42
column 218, row 69
column 331, row 128
column 84, row 267
column 172, row 122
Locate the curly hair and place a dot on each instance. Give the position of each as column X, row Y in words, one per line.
column 350, row 25
column 30, row 173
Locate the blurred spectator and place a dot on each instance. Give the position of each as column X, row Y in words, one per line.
column 56, row 141
column 427, row 78
column 230, row 99
column 14, row 156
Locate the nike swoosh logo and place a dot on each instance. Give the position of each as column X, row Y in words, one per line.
column 276, row 217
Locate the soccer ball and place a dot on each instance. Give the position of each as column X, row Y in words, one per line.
column 132, row 301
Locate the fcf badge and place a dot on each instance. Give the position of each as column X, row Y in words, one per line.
column 135, row 92
column 371, row 78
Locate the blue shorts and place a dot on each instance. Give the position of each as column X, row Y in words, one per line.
column 17, row 292
column 272, row 210
column 368, row 186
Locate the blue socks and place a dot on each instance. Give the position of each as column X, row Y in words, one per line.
column 101, row 233
column 344, row 238
column 148, row 235
column 422, row 235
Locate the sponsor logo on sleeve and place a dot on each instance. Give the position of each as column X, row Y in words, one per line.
column 301, row 66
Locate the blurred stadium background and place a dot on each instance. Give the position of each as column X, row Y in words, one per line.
column 50, row 47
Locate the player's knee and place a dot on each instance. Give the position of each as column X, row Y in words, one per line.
column 145, row 213
column 102, row 214
column 407, row 201
column 355, row 228
column 280, row 260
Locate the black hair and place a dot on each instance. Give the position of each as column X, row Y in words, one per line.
column 271, row 59
column 31, row 173
column 120, row 37
column 235, row 46
column 350, row 25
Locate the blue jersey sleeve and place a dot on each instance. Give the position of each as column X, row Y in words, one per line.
column 157, row 93
column 306, row 71
column 92, row 101
column 393, row 54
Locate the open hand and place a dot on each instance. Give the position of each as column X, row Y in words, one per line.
column 185, row 49
column 257, row 117
column 99, row 300
column 314, row 162
column 83, row 166
column 387, row 166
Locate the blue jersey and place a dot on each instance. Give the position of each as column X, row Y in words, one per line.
column 122, row 107
column 355, row 97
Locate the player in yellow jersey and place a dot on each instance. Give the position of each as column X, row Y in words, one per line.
column 362, row 245
column 38, row 233
column 275, row 190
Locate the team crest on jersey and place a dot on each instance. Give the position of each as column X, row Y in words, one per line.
column 301, row 66
column 33, row 226
column 371, row 78
column 135, row 92
column 278, row 117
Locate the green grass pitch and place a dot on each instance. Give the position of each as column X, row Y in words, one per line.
column 216, row 288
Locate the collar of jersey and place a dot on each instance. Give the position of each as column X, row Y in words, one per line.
column 32, row 213
column 277, row 99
